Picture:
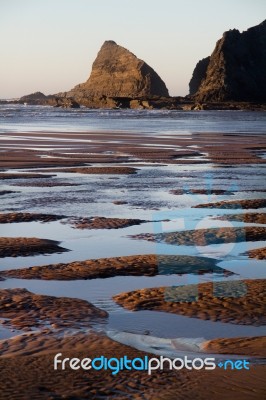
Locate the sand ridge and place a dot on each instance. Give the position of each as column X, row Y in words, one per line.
column 250, row 346
column 259, row 254
column 24, row 246
column 24, row 175
column 238, row 302
column 25, row 310
column 103, row 222
column 235, row 204
column 8, row 218
column 254, row 218
column 137, row 265
column 121, row 170
column 204, row 237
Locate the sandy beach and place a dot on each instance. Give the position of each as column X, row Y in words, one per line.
column 82, row 198
column 30, row 370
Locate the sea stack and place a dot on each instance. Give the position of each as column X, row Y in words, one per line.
column 199, row 74
column 235, row 70
column 116, row 72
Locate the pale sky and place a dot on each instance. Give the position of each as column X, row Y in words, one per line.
column 50, row 45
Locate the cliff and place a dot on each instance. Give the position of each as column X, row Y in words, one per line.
column 236, row 69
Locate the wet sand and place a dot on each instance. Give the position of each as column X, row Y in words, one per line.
column 204, row 237
column 9, row 218
column 100, row 170
column 29, row 373
column 21, row 246
column 254, row 218
column 249, row 346
column 234, row 204
column 41, row 183
column 139, row 265
column 46, row 341
column 259, row 254
column 25, row 310
column 103, row 223
column 117, row 147
column 237, row 302
column 27, row 361
column 21, row 175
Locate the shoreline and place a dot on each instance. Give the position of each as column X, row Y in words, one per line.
column 176, row 103
column 112, row 148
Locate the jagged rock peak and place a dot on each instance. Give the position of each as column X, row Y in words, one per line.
column 116, row 72
column 236, row 69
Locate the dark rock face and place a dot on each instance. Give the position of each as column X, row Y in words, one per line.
column 34, row 98
column 117, row 72
column 39, row 98
column 199, row 74
column 237, row 66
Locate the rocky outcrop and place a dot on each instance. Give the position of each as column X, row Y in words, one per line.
column 199, row 74
column 34, row 98
column 232, row 78
column 38, row 98
column 117, row 72
column 236, row 70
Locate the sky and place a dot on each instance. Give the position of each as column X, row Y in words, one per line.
column 50, row 45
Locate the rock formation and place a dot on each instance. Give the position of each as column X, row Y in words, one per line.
column 38, row 98
column 199, row 74
column 34, row 98
column 232, row 78
column 236, row 70
column 117, row 72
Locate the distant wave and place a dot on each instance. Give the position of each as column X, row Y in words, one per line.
column 18, row 118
